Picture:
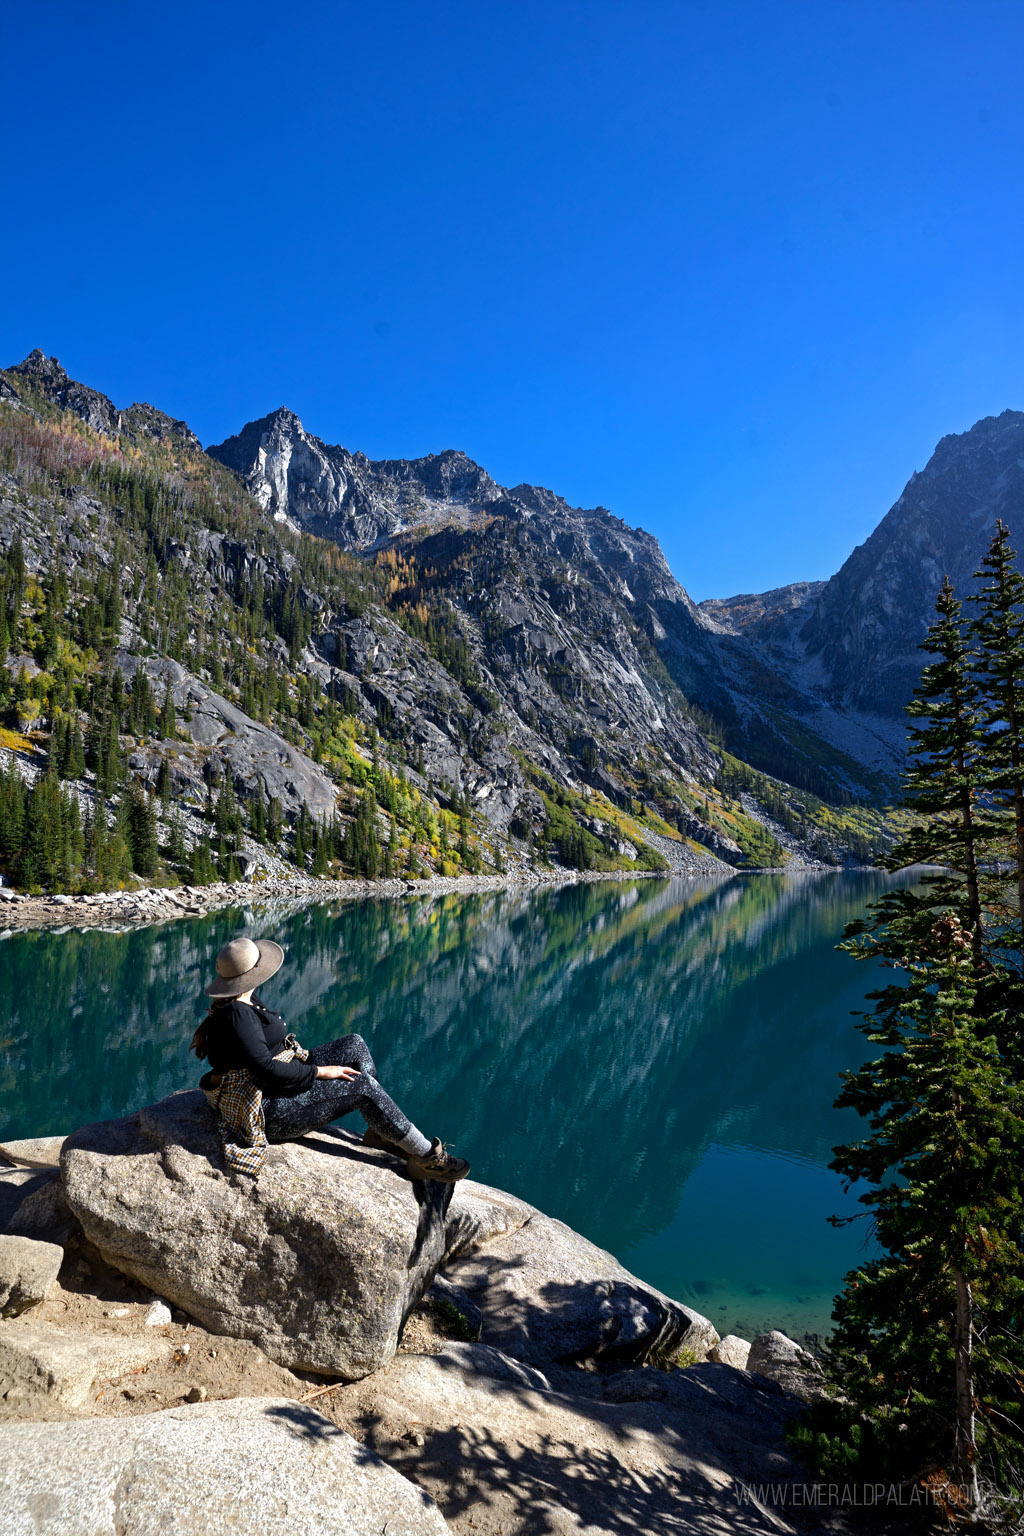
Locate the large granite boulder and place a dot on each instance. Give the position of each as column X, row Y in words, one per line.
column 319, row 1261
column 248, row 1464
column 322, row 1258
column 33, row 1152
column 545, row 1293
column 44, row 1215
column 732, row 1350
column 667, row 1453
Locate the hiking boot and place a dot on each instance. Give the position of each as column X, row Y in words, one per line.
column 378, row 1143
column 437, row 1164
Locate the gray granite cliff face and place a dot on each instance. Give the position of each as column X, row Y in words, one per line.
column 868, row 621
column 359, row 502
column 840, row 659
column 364, row 503
column 563, row 610
column 749, row 613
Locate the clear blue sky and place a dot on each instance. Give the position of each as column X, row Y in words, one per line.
column 728, row 267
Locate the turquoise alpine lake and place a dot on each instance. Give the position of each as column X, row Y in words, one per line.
column 652, row 1061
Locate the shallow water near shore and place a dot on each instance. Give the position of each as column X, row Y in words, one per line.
column 654, row 1062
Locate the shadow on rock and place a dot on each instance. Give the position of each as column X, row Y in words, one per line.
column 670, row 1452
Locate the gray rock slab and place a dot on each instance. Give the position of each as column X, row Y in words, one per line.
column 248, row 1464
column 45, row 1214
column 447, row 1296
column 65, row 1364
column 482, row 1360
column 319, row 1261
column 28, row 1273
column 32, row 1152
column 781, row 1359
column 16, row 1184
column 478, row 1213
column 732, row 1350
column 535, row 1463
column 548, row 1294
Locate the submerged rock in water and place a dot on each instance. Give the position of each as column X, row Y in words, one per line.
column 248, row 1464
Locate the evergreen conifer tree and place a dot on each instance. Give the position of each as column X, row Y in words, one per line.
column 258, row 818
column 74, row 760
column 927, row 1337
column 362, row 842
column 141, row 831
column 928, row 1346
column 168, row 723
column 203, row 872
column 111, row 769
column 163, row 782
column 13, row 796
column 176, row 844
column 998, row 629
column 59, row 745
column 320, row 867
column 947, row 770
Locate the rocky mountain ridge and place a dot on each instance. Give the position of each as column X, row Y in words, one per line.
column 521, row 714
column 447, row 511
column 45, row 376
column 863, row 630
column 537, row 662
column 848, row 650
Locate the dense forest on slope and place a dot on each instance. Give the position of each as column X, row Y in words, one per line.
column 190, row 689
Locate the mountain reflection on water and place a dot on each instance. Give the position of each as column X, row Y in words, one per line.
column 652, row 1061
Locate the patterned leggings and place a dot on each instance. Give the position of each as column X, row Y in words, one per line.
column 331, row 1097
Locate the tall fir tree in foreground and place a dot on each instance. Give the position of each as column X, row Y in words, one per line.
column 999, row 631
column 928, row 1350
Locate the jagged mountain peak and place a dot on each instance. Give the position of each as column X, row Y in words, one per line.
column 364, row 503
column 45, row 376
column 359, row 502
column 987, row 432
column 870, row 618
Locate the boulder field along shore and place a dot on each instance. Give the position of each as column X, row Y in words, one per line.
column 113, row 911
column 349, row 1351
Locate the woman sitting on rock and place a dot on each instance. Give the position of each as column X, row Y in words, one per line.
column 265, row 1087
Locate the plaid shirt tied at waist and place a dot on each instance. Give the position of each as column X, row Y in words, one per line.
column 238, row 1104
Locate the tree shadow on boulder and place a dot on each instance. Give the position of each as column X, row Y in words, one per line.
column 697, row 1458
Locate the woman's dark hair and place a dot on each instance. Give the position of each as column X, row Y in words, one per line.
column 199, row 1041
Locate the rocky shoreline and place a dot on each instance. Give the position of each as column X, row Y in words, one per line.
column 114, row 911
column 435, row 1358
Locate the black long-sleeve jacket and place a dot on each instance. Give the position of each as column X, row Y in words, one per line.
column 249, row 1035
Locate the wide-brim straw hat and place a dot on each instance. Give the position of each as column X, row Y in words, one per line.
column 244, row 964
